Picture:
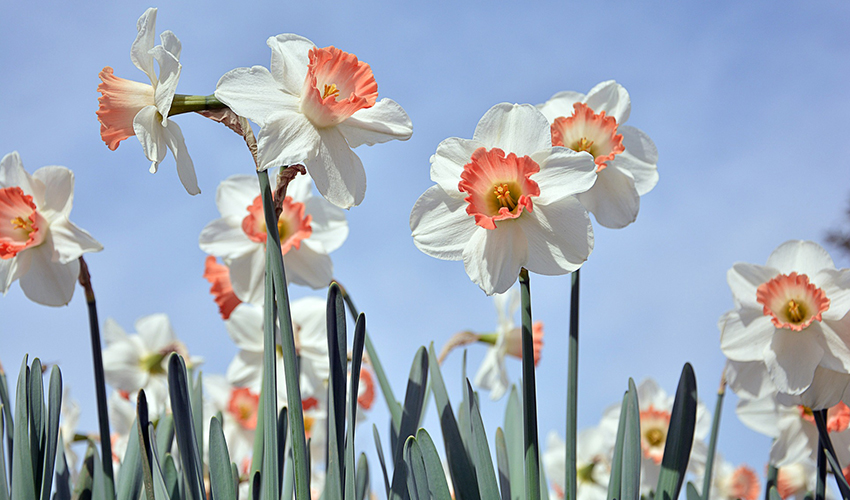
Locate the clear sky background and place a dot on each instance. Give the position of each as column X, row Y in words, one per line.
column 746, row 102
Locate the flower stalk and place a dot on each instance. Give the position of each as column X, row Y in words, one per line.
column 712, row 441
column 572, row 387
column 99, row 382
column 192, row 103
column 529, row 395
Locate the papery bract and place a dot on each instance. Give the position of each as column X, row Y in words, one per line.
column 39, row 245
column 505, row 200
column 313, row 107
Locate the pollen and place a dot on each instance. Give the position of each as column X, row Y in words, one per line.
column 796, row 312
column 503, row 196
column 655, row 437
column 330, row 90
column 21, row 223
column 583, row 145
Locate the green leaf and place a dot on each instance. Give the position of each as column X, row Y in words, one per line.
column 164, row 435
column 481, row 450
column 680, row 437
column 268, row 389
column 52, row 437
column 460, row 464
column 282, row 433
column 83, row 486
column 514, row 443
column 184, row 426
column 147, row 446
column 383, row 463
column 63, row 475
column 130, row 475
column 171, row 478
column 23, row 482
column 412, row 411
column 337, row 342
column 361, row 488
column 630, row 485
column 616, row 477
column 288, row 486
column 7, row 403
column 356, row 358
column 691, row 492
column 417, row 478
column 773, row 494
column 234, row 477
column 4, row 488
column 503, row 464
column 221, row 478
column 197, row 400
column 437, row 486
column 36, row 407
column 98, row 488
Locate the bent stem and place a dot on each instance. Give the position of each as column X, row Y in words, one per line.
column 572, row 387
column 99, row 382
column 529, row 395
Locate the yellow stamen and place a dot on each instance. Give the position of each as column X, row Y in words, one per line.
column 655, row 437
column 795, row 312
column 503, row 195
column 20, row 223
column 582, row 145
column 330, row 90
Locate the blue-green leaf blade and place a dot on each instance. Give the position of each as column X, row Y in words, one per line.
column 680, row 437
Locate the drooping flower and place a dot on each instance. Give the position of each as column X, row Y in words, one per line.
column 493, row 374
column 309, row 228
column 131, row 108
column 625, row 157
column 790, row 315
column 313, row 107
column 39, row 245
column 505, row 200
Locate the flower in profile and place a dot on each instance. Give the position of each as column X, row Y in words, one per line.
column 790, row 315
column 39, row 245
column 309, row 229
column 625, row 157
column 505, row 200
column 313, row 107
column 132, row 108
column 507, row 340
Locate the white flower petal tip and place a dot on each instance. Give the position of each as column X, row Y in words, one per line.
column 625, row 157
column 128, row 108
column 790, row 316
column 500, row 209
column 314, row 105
column 39, row 245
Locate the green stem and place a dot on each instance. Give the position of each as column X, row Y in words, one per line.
column 772, row 474
column 572, row 387
column 712, row 441
column 820, row 488
column 99, row 382
column 274, row 265
column 529, row 395
column 831, row 457
column 190, row 103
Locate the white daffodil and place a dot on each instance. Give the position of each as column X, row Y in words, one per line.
column 505, row 200
column 493, row 374
column 731, row 483
column 132, row 108
column 39, row 245
column 594, row 449
column 625, row 157
column 313, row 107
column 790, row 315
column 309, row 229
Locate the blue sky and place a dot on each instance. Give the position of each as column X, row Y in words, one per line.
column 747, row 104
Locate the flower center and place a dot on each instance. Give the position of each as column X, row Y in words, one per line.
column 499, row 186
column 337, row 85
column 21, row 225
column 292, row 225
column 792, row 301
column 654, row 424
column 243, row 406
column 587, row 131
column 584, row 474
column 744, row 484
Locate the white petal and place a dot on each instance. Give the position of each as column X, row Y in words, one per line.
column 760, row 415
column 612, row 98
column 246, row 370
column 247, row 275
column 337, row 171
column 560, row 237
column 12, row 269
column 383, row 122
column 745, row 334
column 639, row 158
column 448, row 162
column 309, row 313
column 58, row 190
column 493, row 258
column 826, row 391
column 613, row 200
column 305, row 266
column 235, row 194
column 113, row 333
column 749, row 379
column 791, row 360
column 254, row 94
column 70, row 242
column 225, row 238
column 171, row 43
column 744, row 280
column 329, row 225
column 140, row 50
column 245, row 327
column 48, row 282
column 121, row 367
column 155, row 331
column 287, row 139
column 185, row 167
column 492, row 375
column 514, row 128
column 290, row 58
column 169, row 74
column 563, row 172
column 148, row 129
column 793, row 444
column 12, row 174
column 833, row 337
column 440, row 225
column 560, row 104
column 802, row 257
column 836, row 284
